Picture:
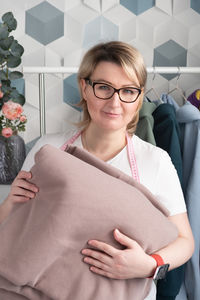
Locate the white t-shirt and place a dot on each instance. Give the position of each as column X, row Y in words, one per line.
column 155, row 168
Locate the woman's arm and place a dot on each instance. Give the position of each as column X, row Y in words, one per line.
column 133, row 262
column 180, row 251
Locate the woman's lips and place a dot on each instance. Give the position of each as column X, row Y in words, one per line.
column 112, row 115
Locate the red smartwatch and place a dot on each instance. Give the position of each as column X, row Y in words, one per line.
column 161, row 268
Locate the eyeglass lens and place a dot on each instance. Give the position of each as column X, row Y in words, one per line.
column 104, row 91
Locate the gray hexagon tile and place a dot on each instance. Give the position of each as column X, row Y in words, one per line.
column 138, row 6
column 58, row 4
column 195, row 4
column 44, row 22
column 123, row 24
column 170, row 54
column 70, row 91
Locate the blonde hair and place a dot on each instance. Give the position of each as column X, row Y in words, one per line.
column 124, row 55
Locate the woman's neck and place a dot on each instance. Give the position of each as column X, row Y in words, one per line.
column 103, row 144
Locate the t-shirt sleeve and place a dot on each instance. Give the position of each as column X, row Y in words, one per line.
column 168, row 187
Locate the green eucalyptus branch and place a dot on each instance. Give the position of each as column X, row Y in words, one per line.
column 10, row 57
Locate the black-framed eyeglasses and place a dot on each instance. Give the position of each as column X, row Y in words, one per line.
column 105, row 91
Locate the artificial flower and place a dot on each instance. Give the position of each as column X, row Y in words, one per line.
column 7, row 132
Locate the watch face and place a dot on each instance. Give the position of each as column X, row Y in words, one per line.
column 161, row 272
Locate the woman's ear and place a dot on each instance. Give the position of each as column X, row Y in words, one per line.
column 83, row 86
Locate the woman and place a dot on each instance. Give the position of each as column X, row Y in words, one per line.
column 112, row 78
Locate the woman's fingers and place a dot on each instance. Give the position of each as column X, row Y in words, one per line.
column 21, row 189
column 96, row 263
column 98, row 256
column 21, row 192
column 26, row 185
column 106, row 248
column 20, row 199
column 102, row 272
column 24, row 175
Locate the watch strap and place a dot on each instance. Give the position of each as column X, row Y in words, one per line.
column 158, row 259
column 161, row 268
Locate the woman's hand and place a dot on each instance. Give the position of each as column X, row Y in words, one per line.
column 21, row 191
column 131, row 262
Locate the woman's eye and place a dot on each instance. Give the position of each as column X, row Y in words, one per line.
column 103, row 87
column 129, row 91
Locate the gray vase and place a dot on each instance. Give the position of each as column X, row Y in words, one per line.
column 12, row 156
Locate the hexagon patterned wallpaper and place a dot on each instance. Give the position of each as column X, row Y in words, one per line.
column 58, row 32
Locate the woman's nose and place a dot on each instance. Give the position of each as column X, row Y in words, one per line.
column 115, row 100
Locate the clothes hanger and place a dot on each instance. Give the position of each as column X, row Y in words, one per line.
column 177, row 88
column 152, row 89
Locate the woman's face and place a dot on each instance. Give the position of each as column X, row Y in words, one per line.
column 111, row 114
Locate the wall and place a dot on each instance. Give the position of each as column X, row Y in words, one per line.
column 58, row 32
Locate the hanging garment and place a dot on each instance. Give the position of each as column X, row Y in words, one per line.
column 189, row 122
column 194, row 99
column 49, row 231
column 170, row 100
column 167, row 135
column 146, row 122
column 188, row 117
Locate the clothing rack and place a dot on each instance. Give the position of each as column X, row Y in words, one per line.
column 41, row 71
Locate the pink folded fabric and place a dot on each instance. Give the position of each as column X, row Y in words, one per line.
column 80, row 198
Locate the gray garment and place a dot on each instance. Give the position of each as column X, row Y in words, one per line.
column 188, row 117
column 146, row 122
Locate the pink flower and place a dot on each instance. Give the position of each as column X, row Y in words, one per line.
column 7, row 132
column 22, row 119
column 1, row 94
column 12, row 110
